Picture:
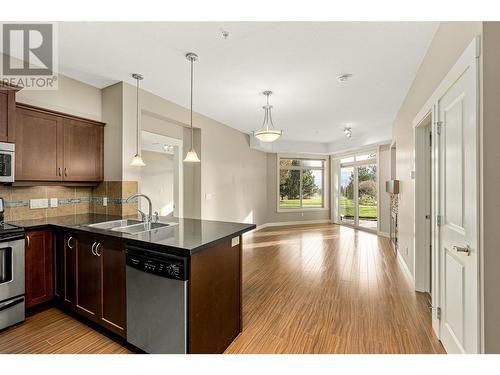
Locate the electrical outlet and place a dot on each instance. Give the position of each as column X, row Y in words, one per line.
column 105, row 201
column 39, row 203
column 54, row 202
column 235, row 241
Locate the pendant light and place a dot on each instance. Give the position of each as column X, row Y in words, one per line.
column 267, row 133
column 137, row 159
column 191, row 156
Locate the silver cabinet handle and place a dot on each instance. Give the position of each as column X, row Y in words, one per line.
column 97, row 247
column 68, row 242
column 461, row 249
column 93, row 245
column 28, row 241
column 66, row 172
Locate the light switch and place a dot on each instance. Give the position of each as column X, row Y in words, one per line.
column 208, row 196
column 105, row 201
column 53, row 202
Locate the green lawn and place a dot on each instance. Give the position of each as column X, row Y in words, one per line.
column 365, row 212
column 314, row 202
column 346, row 207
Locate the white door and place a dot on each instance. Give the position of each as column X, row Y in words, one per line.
column 457, row 112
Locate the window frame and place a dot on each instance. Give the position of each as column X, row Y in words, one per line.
column 325, row 181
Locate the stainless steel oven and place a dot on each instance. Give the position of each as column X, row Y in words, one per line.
column 11, row 273
column 7, row 162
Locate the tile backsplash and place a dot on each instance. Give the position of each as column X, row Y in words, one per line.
column 71, row 200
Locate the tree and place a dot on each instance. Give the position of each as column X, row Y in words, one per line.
column 290, row 183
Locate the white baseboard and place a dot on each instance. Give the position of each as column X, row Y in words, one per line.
column 285, row 223
column 384, row 234
column 405, row 268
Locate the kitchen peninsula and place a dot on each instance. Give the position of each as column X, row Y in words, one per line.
column 175, row 288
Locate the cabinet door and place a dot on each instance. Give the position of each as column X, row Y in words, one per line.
column 87, row 278
column 38, row 267
column 38, row 146
column 7, row 115
column 83, row 151
column 113, row 284
column 65, row 269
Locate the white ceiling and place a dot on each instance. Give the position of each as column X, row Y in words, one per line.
column 298, row 61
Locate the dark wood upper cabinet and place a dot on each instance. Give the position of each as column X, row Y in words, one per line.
column 7, row 114
column 52, row 146
column 38, row 267
column 83, row 151
column 39, row 152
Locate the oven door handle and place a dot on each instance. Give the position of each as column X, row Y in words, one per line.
column 9, row 304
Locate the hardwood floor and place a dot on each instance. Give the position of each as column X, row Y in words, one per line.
column 329, row 289
column 306, row 289
column 54, row 332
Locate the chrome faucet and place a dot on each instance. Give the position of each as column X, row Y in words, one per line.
column 146, row 218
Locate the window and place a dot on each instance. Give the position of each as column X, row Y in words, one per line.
column 301, row 183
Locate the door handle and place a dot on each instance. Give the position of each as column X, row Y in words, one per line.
column 97, row 247
column 93, row 252
column 68, row 242
column 461, row 249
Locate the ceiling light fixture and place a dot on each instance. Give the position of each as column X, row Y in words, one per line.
column 348, row 132
column 191, row 156
column 267, row 133
column 137, row 159
column 344, row 77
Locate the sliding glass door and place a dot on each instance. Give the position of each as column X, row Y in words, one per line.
column 367, row 196
column 357, row 198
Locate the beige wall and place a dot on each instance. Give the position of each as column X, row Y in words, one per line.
column 273, row 216
column 157, row 182
column 449, row 42
column 490, row 181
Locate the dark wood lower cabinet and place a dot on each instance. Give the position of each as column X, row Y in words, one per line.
column 38, row 267
column 214, row 298
column 90, row 278
column 87, row 277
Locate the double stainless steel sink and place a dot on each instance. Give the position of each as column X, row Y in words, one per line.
column 129, row 226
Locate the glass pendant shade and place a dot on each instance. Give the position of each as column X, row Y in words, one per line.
column 137, row 161
column 267, row 133
column 192, row 157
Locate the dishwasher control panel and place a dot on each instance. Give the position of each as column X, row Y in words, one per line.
column 164, row 266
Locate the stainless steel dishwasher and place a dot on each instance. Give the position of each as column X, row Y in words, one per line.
column 156, row 301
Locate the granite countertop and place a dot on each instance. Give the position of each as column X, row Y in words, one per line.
column 184, row 236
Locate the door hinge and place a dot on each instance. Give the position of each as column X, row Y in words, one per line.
column 430, row 139
column 439, row 220
column 439, row 125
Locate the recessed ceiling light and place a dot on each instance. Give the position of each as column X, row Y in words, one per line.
column 344, row 77
column 224, row 33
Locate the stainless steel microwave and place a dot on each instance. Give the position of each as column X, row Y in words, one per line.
column 7, row 162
